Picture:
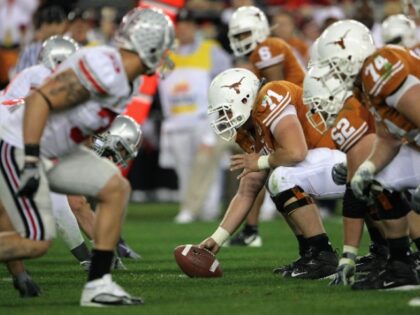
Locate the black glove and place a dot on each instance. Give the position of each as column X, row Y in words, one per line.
column 29, row 176
column 339, row 173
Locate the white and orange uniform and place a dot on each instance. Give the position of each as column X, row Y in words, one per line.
column 276, row 100
column 353, row 122
column 275, row 51
column 385, row 76
column 76, row 170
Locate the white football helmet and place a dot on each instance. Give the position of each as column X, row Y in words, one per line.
column 232, row 95
column 150, row 33
column 344, row 46
column 121, row 141
column 247, row 19
column 411, row 7
column 313, row 54
column 399, row 30
column 324, row 95
column 56, row 49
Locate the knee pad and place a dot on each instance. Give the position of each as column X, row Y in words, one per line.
column 352, row 207
column 291, row 199
column 391, row 205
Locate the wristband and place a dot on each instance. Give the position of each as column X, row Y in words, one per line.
column 263, row 162
column 220, row 236
column 32, row 150
column 369, row 166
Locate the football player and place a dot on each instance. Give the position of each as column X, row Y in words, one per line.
column 271, row 58
column 83, row 97
column 352, row 128
column 269, row 123
column 385, row 80
column 54, row 51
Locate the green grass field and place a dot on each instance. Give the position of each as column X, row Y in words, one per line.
column 247, row 287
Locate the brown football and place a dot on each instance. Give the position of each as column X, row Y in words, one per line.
column 197, row 262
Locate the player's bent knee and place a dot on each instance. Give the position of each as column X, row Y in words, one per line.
column 38, row 248
column 392, row 205
column 291, row 199
column 116, row 185
column 353, row 207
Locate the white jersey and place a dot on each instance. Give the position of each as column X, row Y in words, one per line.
column 24, row 82
column 101, row 72
column 20, row 86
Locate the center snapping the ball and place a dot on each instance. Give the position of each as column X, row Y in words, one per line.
column 197, row 262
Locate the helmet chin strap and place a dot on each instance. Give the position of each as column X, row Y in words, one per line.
column 262, row 82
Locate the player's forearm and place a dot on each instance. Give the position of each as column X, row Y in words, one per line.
column 236, row 213
column 287, row 157
column 384, row 150
column 35, row 118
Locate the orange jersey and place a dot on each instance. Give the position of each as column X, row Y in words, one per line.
column 299, row 46
column 274, row 51
column 271, row 101
column 352, row 123
column 382, row 74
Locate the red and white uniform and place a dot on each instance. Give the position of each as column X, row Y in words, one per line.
column 20, row 86
column 101, row 72
column 78, row 170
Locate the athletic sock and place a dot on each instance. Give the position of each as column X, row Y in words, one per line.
column 399, row 249
column 303, row 244
column 320, row 242
column 376, row 236
column 101, row 263
column 81, row 252
column 250, row 229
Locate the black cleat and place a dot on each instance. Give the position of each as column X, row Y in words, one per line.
column 397, row 275
column 26, row 286
column 375, row 260
column 319, row 265
column 244, row 238
column 125, row 251
column 286, row 270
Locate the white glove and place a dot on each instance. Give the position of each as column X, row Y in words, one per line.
column 339, row 173
column 415, row 200
column 362, row 179
column 345, row 272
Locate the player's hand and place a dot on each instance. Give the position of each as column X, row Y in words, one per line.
column 345, row 272
column 248, row 162
column 415, row 200
column 339, row 173
column 210, row 244
column 29, row 178
column 362, row 179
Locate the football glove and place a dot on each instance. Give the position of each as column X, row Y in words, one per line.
column 345, row 272
column 339, row 173
column 362, row 179
column 29, row 178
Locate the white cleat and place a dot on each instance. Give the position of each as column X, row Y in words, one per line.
column 415, row 302
column 104, row 292
column 184, row 217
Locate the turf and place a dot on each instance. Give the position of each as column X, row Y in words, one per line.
column 247, row 287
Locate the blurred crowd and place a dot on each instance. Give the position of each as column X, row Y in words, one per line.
column 25, row 24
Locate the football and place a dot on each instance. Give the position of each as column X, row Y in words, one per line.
column 197, row 262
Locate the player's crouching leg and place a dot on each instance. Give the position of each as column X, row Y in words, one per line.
column 100, row 290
